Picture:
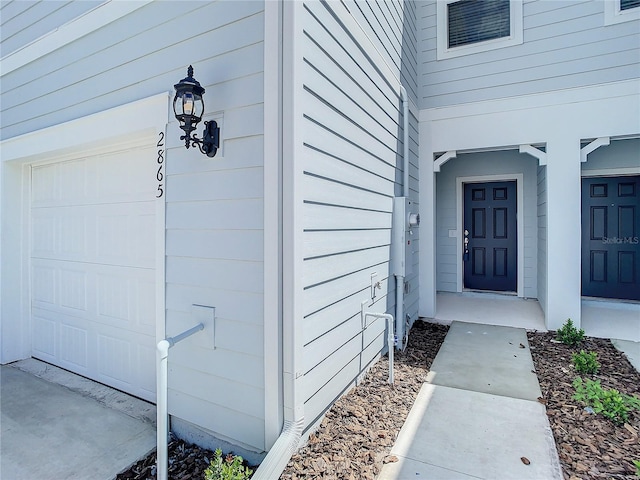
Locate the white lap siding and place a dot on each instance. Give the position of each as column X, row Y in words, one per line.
column 566, row 44
column 352, row 134
column 214, row 207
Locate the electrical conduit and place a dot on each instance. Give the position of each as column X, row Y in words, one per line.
column 400, row 333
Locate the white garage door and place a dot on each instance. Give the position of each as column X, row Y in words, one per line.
column 93, row 268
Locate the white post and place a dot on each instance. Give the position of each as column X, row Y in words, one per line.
column 564, row 248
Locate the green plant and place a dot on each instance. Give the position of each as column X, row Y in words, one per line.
column 569, row 334
column 586, row 362
column 229, row 467
column 637, row 464
column 609, row 402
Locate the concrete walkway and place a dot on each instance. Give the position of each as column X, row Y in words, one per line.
column 56, row 432
column 478, row 415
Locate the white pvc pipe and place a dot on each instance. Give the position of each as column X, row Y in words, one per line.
column 390, row 340
column 162, row 400
column 162, row 427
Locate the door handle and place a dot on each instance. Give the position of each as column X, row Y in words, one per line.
column 465, row 257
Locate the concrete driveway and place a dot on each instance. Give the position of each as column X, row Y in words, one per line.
column 71, row 429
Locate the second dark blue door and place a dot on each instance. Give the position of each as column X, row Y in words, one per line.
column 490, row 236
column 611, row 237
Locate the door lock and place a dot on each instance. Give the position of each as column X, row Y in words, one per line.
column 465, row 257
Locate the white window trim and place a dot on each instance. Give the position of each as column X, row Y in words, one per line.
column 613, row 14
column 444, row 52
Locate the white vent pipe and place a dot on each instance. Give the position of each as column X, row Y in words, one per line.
column 162, row 428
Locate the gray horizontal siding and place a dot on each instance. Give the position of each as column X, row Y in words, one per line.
column 566, row 45
column 392, row 28
column 214, row 207
column 23, row 21
column 352, row 134
column 119, row 63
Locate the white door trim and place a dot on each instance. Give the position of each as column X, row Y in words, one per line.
column 118, row 127
column 519, row 179
column 611, row 172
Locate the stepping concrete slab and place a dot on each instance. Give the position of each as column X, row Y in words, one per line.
column 488, row 359
column 49, row 431
column 478, row 415
column 453, row 433
column 631, row 351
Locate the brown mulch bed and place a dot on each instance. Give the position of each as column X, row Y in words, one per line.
column 186, row 462
column 357, row 433
column 590, row 446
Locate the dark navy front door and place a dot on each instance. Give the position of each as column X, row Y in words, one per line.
column 611, row 237
column 490, row 248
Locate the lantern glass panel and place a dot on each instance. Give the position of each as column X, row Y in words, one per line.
column 187, row 103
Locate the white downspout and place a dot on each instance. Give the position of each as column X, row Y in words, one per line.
column 287, row 443
column 405, row 193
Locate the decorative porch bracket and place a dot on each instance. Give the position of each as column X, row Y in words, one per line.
column 590, row 147
column 535, row 152
column 442, row 159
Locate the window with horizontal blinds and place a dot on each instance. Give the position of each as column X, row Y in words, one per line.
column 627, row 4
column 473, row 21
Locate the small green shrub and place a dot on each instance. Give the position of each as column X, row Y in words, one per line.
column 570, row 335
column 229, row 467
column 586, row 362
column 609, row 402
column 637, row 464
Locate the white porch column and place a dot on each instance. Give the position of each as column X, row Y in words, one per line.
column 563, row 232
column 427, row 305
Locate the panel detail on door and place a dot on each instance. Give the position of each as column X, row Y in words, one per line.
column 490, row 217
column 93, row 268
column 610, row 237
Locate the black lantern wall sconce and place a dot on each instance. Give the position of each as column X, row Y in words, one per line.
column 188, row 107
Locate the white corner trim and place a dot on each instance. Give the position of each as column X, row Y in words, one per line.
column 273, row 28
column 535, row 153
column 442, row 159
column 590, row 147
column 519, row 179
column 131, row 119
column 90, row 21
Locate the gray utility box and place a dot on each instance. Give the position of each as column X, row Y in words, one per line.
column 405, row 219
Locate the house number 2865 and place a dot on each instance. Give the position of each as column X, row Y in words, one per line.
column 160, row 160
